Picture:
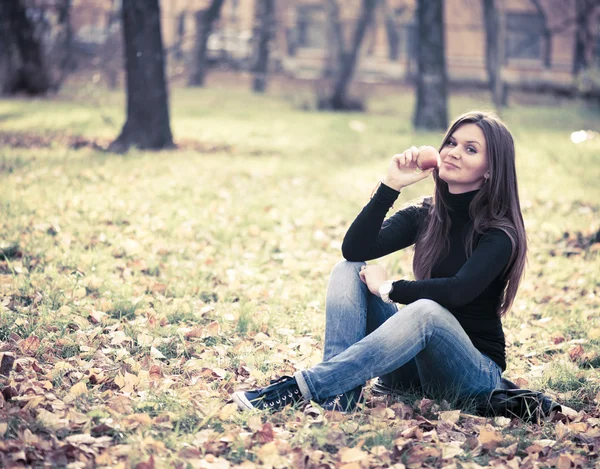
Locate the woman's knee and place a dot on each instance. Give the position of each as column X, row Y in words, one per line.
column 431, row 312
column 346, row 269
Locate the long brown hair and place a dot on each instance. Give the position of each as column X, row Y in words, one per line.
column 496, row 205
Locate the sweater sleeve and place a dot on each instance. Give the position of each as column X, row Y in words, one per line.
column 370, row 237
column 488, row 260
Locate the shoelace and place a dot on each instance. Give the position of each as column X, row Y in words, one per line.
column 278, row 401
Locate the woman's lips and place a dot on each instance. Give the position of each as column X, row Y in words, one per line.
column 450, row 165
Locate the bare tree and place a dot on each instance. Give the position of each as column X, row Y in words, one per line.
column 147, row 125
column 264, row 24
column 547, row 44
column 64, row 19
column 391, row 29
column 584, row 10
column 344, row 71
column 205, row 20
column 22, row 64
column 494, row 22
column 431, row 106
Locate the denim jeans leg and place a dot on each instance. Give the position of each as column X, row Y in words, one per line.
column 424, row 331
column 350, row 309
column 405, row 378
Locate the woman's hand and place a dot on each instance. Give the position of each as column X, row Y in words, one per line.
column 402, row 170
column 373, row 276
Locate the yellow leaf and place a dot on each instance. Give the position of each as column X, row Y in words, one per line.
column 144, row 340
column 564, row 462
column 594, row 333
column 450, row 416
column 78, row 389
column 80, row 293
column 450, row 451
column 3, row 427
column 348, row 455
column 119, row 380
column 228, row 411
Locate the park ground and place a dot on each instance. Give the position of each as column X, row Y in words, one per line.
column 139, row 290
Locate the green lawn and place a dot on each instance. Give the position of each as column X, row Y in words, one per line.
column 147, row 286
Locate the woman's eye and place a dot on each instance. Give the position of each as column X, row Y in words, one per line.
column 450, row 144
column 471, row 149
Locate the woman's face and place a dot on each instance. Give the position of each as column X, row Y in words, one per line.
column 464, row 159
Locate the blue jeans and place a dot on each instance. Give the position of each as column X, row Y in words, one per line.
column 419, row 346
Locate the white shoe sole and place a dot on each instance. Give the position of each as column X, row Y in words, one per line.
column 242, row 401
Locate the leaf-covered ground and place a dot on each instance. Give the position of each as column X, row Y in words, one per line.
column 138, row 291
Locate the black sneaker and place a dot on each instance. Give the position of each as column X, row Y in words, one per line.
column 281, row 392
column 379, row 388
column 346, row 402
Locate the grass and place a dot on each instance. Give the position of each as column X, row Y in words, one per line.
column 218, row 260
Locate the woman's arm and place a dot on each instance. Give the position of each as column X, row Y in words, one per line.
column 369, row 237
column 487, row 261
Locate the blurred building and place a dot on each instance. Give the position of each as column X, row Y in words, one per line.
column 539, row 42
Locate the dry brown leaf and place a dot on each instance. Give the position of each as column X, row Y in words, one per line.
column 349, row 455
column 265, row 434
column 30, row 345
column 576, row 352
column 147, row 464
column 7, row 360
column 213, row 329
column 564, row 461
column 490, row 438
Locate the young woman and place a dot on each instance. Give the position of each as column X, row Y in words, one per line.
column 470, row 252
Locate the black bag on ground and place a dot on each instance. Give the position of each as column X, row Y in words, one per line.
column 510, row 401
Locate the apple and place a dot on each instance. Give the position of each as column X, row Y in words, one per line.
column 428, row 157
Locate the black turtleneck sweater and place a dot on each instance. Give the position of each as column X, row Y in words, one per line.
column 470, row 288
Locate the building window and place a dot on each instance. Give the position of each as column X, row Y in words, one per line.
column 524, row 35
column 311, row 26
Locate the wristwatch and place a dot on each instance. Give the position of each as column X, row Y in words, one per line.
column 385, row 289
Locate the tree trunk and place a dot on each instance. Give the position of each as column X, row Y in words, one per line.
column 494, row 52
column 547, row 45
column 431, row 106
column 24, row 68
column 204, row 25
column 583, row 34
column 264, row 30
column 391, row 29
column 336, row 49
column 339, row 99
column 64, row 19
column 147, row 125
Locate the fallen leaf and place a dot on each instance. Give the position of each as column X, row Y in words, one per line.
column 78, row 389
column 30, row 345
column 564, row 461
column 490, row 438
column 6, row 363
column 450, row 416
column 348, row 455
column 576, row 352
column 147, row 464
